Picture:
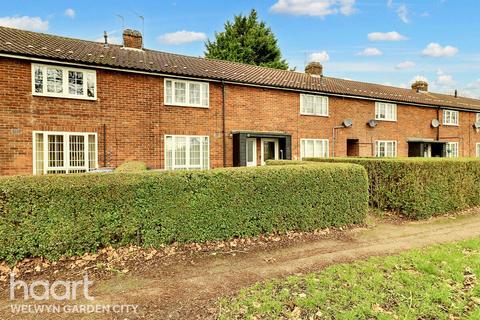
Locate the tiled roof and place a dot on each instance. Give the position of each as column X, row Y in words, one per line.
column 39, row 45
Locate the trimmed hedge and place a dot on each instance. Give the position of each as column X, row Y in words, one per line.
column 132, row 166
column 51, row 216
column 420, row 187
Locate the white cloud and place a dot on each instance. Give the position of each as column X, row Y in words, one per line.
column 25, row 23
column 386, row 36
column 70, row 13
column 435, row 50
column 419, row 78
column 181, row 37
column 405, row 65
column 319, row 56
column 444, row 80
column 402, row 12
column 370, row 52
column 390, row 3
column 316, row 8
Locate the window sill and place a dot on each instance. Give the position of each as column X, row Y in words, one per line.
column 450, row 125
column 385, row 120
column 185, row 106
column 63, row 97
column 315, row 115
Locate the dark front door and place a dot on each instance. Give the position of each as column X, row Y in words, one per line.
column 353, row 148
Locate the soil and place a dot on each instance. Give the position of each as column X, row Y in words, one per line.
column 185, row 282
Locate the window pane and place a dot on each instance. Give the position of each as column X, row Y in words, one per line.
column 180, row 151
column 38, row 79
column 91, row 85
column 205, row 153
column 54, row 80
column 205, row 94
column 180, row 92
column 168, row 91
column 39, row 153
column 55, row 151
column 194, row 93
column 92, row 152
column 168, row 152
column 75, row 83
column 194, row 151
column 77, row 151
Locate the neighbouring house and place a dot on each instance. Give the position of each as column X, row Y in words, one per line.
column 70, row 105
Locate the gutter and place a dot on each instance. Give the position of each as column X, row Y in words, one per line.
column 160, row 74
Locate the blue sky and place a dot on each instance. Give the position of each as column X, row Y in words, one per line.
column 384, row 41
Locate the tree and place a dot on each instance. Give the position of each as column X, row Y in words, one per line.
column 246, row 40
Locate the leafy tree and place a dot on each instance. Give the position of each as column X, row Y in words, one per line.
column 246, row 40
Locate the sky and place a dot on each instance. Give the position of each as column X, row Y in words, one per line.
column 390, row 42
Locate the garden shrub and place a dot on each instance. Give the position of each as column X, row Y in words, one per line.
column 418, row 187
column 51, row 216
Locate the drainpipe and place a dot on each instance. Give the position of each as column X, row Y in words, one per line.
column 334, row 138
column 438, row 128
column 224, row 133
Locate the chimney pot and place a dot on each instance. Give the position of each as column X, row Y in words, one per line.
column 314, row 69
column 132, row 39
column 420, row 86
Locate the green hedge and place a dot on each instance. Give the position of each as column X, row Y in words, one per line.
column 55, row 215
column 420, row 187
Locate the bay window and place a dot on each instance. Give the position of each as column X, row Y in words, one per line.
column 63, row 82
column 64, row 152
column 186, row 152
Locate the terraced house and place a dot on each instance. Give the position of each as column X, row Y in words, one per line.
column 71, row 105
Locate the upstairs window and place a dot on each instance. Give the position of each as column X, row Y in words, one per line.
column 385, row 111
column 313, row 148
column 62, row 82
column 477, row 117
column 313, row 105
column 450, row 118
column 186, row 93
column 386, row 149
column 64, row 152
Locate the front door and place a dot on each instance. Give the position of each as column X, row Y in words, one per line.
column 251, row 152
column 269, row 150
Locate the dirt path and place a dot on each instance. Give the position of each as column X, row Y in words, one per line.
column 188, row 290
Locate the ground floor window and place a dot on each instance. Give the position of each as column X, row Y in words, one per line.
column 186, row 152
column 452, row 150
column 478, row 149
column 64, row 152
column 386, row 149
column 313, row 148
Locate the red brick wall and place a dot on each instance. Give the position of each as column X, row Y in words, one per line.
column 131, row 108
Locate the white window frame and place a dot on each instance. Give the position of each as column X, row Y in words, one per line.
column 450, row 113
column 455, row 154
column 187, row 93
column 477, row 147
column 385, row 106
column 386, row 142
column 65, row 93
column 477, row 119
column 322, row 99
column 187, row 153
column 324, row 143
column 66, row 151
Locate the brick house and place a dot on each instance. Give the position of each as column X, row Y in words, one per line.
column 70, row 105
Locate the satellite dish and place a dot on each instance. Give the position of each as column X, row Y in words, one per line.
column 476, row 125
column 372, row 123
column 435, row 123
column 347, row 123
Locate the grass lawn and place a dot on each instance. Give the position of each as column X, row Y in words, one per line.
column 434, row 283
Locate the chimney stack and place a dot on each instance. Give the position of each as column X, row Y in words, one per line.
column 132, row 39
column 314, row 69
column 105, row 36
column 420, row 86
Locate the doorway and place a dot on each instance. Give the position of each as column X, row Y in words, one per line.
column 269, row 150
column 251, row 152
column 353, row 148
